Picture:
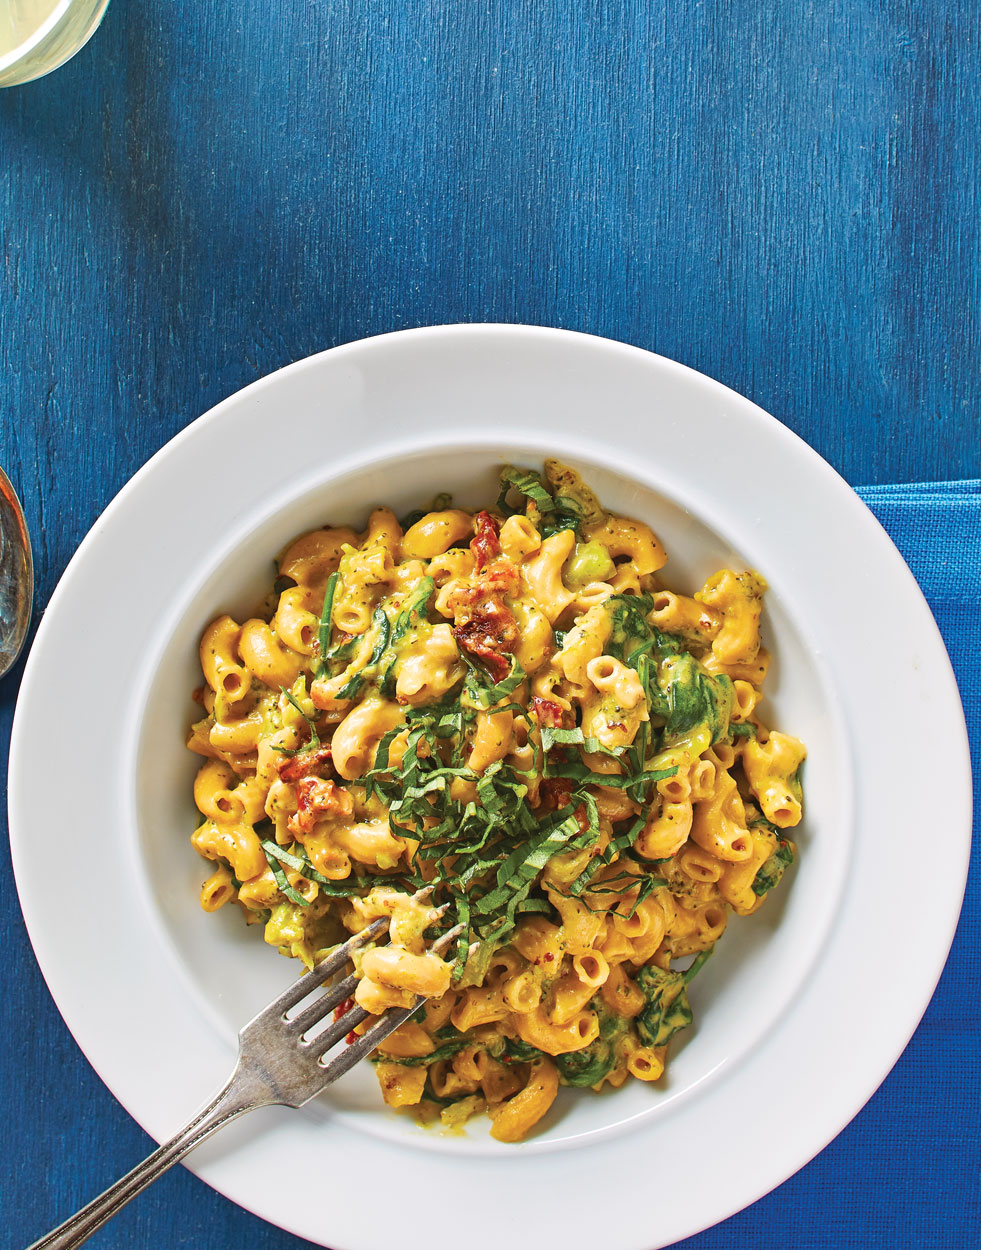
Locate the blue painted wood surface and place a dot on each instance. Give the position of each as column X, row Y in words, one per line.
column 783, row 196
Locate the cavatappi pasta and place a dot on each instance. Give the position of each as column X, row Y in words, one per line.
column 512, row 708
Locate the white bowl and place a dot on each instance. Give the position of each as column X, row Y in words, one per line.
column 395, row 420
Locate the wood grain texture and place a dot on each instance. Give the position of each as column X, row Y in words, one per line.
column 783, row 196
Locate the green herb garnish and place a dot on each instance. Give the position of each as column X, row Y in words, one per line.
column 326, row 623
column 383, row 630
column 557, row 512
column 277, row 856
column 412, row 613
column 314, row 741
column 482, row 691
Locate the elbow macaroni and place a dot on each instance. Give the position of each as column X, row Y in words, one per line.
column 510, row 708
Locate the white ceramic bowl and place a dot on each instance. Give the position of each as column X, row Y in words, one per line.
column 395, row 420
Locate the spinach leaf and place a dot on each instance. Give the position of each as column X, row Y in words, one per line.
column 773, row 868
column 446, row 1051
column 587, row 1066
column 640, row 645
column 383, row 630
column 696, row 698
column 521, row 1052
column 667, row 1009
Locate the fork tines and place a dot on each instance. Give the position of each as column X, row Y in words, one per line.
column 372, row 1037
column 273, row 1027
column 337, row 959
column 327, row 967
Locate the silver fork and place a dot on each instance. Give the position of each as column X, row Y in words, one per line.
column 276, row 1064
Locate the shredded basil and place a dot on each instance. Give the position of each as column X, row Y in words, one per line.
column 282, row 884
column 326, row 623
column 698, row 963
column 497, row 844
column 559, row 512
column 645, row 882
column 574, row 737
column 314, row 736
column 482, row 691
column 412, row 613
column 277, row 856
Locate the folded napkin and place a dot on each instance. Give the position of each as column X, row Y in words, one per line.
column 937, row 527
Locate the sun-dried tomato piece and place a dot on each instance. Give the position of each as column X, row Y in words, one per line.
column 550, row 713
column 472, row 639
column 486, row 545
column 499, row 578
column 555, row 792
column 292, row 767
column 488, row 634
column 316, row 797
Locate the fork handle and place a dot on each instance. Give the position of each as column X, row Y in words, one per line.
column 234, row 1100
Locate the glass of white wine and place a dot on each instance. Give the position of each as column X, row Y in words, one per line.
column 36, row 36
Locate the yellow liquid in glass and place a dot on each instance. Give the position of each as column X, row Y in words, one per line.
column 20, row 19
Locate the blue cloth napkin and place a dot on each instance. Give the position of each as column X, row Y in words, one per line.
column 904, row 1174
column 937, row 527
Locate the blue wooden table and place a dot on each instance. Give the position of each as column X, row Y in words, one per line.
column 782, row 196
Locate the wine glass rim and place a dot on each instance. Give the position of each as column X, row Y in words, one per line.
column 48, row 27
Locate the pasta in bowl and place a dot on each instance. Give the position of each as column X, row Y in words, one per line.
column 510, row 707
